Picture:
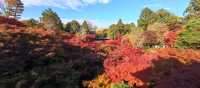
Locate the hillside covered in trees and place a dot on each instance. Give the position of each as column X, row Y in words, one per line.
column 161, row 51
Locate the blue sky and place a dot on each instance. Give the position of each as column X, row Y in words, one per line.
column 101, row 13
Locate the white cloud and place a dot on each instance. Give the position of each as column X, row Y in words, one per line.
column 73, row 4
column 104, row 1
column 89, row 1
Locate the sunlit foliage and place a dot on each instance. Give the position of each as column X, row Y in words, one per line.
column 190, row 38
column 51, row 20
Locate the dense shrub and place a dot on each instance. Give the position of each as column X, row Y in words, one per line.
column 122, row 63
column 102, row 81
column 154, row 68
column 86, row 41
column 120, row 85
column 150, row 39
column 135, row 38
column 38, row 59
column 190, row 37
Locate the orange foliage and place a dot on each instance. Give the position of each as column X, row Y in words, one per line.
column 123, row 63
column 138, row 67
column 170, row 38
column 102, row 81
column 180, row 54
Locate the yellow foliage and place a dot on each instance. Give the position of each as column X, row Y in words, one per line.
column 135, row 37
column 102, row 81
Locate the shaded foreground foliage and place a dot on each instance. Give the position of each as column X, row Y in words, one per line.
column 30, row 59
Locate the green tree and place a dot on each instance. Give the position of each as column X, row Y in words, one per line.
column 164, row 16
column 193, row 10
column 146, row 18
column 85, row 28
column 120, row 22
column 116, row 29
column 112, row 31
column 51, row 20
column 73, row 26
column 129, row 27
column 191, row 37
column 120, row 29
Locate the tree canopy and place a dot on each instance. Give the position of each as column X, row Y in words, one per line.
column 120, row 29
column 85, row 27
column 190, row 38
column 73, row 26
column 193, row 10
column 51, row 20
column 146, row 18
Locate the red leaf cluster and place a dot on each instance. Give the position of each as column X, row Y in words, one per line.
column 116, row 42
column 122, row 63
column 163, row 66
column 77, row 41
column 88, row 41
column 10, row 22
column 88, row 37
column 170, row 38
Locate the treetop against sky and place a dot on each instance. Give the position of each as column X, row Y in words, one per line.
column 100, row 12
